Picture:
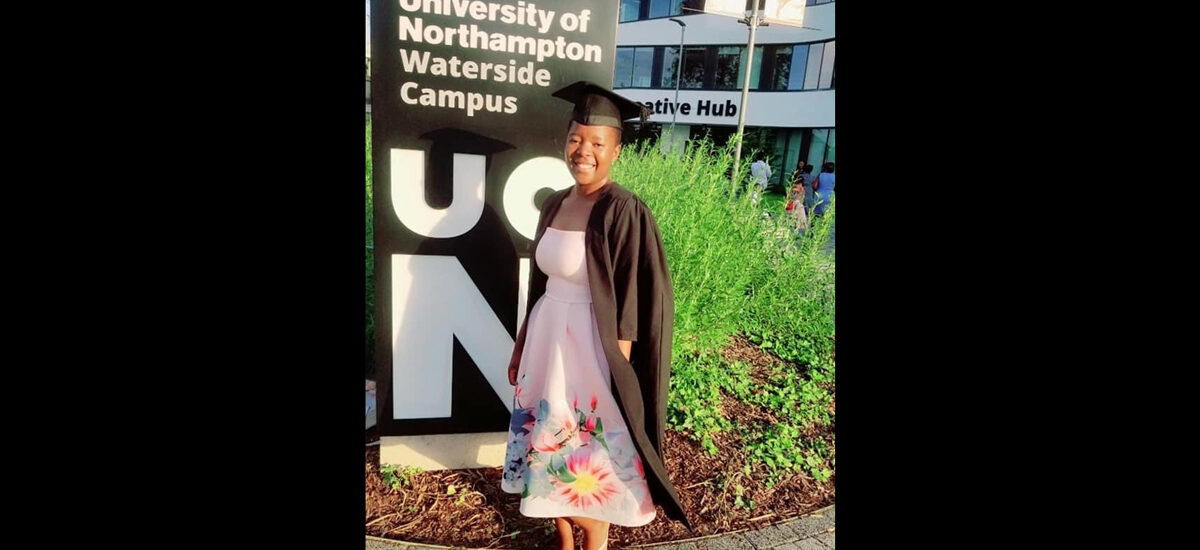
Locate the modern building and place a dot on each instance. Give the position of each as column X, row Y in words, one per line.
column 790, row 105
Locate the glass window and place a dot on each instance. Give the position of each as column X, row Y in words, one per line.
column 693, row 68
column 663, row 8
column 623, row 75
column 793, row 151
column 799, row 63
column 755, row 73
column 629, row 10
column 813, row 71
column 783, row 67
column 827, row 66
column 670, row 65
column 816, row 148
column 643, row 65
column 829, row 151
column 728, row 61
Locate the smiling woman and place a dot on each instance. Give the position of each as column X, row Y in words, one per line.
column 591, row 364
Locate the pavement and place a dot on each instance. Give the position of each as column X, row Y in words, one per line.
column 812, row 532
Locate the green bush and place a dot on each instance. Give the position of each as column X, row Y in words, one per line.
column 734, row 270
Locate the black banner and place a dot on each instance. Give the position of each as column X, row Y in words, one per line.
column 466, row 142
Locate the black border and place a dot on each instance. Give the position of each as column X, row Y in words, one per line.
column 250, row 137
column 256, row 254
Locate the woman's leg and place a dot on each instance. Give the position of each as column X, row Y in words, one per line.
column 595, row 533
column 565, row 538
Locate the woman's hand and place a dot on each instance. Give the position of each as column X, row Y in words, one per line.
column 513, row 364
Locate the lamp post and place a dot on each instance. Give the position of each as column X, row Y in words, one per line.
column 678, row 77
column 752, row 21
column 678, row 70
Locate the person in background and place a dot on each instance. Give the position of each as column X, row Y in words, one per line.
column 761, row 172
column 795, row 207
column 823, row 185
column 807, row 178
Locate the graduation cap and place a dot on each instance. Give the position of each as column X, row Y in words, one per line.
column 596, row 105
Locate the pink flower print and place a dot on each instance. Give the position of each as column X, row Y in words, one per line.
column 575, row 403
column 592, row 481
column 593, row 402
column 590, row 424
column 545, row 442
column 641, row 471
column 584, row 438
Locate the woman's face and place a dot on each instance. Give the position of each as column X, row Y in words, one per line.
column 590, row 152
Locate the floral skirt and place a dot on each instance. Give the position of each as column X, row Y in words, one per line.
column 569, row 450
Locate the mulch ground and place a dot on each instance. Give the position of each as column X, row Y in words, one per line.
column 467, row 507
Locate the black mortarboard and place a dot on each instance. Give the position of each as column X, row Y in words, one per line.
column 596, row 105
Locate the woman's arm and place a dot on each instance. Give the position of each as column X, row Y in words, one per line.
column 626, row 347
column 514, row 362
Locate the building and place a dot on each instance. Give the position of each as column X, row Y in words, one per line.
column 790, row 106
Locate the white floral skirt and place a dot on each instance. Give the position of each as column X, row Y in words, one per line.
column 569, row 451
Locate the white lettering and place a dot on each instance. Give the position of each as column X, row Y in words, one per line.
column 434, row 302
column 407, row 170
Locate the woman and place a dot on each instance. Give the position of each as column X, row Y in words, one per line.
column 795, row 206
column 591, row 363
column 823, row 186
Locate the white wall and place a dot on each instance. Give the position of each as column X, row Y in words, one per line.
column 812, row 109
column 714, row 30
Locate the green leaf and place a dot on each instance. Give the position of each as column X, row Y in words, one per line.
column 599, row 426
column 565, row 476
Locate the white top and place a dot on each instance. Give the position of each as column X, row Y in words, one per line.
column 761, row 172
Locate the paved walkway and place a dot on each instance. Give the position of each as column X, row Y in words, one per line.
column 812, row 532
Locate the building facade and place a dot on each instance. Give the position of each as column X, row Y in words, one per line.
column 790, row 105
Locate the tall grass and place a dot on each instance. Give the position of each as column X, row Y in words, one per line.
column 732, row 267
column 714, row 242
column 734, row 270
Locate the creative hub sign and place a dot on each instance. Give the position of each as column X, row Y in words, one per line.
column 701, row 107
column 467, row 141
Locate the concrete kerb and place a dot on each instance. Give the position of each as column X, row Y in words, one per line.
column 808, row 525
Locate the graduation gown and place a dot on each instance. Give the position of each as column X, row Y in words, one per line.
column 632, row 298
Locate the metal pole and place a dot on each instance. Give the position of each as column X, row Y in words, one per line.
column 737, row 156
column 678, row 77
